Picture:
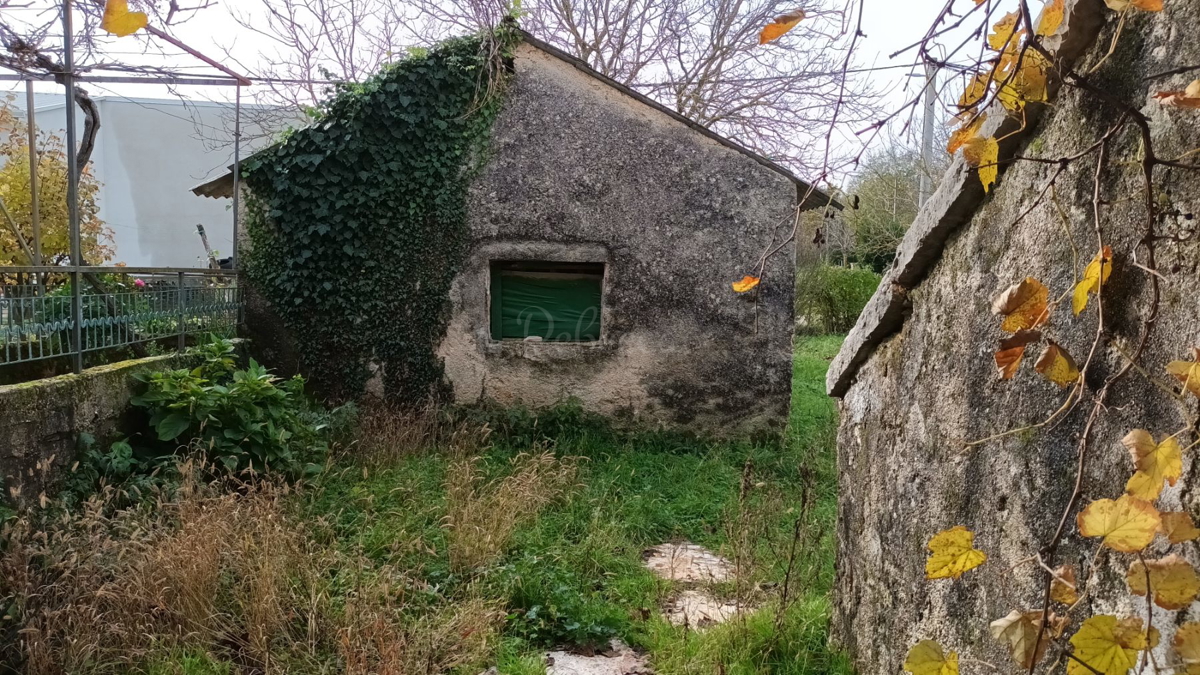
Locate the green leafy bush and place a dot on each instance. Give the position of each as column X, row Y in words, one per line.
column 829, row 298
column 242, row 418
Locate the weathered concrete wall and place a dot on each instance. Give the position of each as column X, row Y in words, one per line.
column 40, row 421
column 926, row 382
column 582, row 172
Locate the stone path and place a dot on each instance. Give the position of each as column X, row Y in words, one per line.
column 684, row 563
column 619, row 660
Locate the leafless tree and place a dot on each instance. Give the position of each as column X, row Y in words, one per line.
column 700, row 57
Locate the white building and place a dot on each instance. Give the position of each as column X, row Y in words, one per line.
column 149, row 154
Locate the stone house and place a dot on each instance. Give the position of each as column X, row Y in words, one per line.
column 605, row 231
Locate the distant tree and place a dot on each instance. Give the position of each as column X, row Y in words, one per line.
column 701, row 58
column 52, row 194
column 886, row 192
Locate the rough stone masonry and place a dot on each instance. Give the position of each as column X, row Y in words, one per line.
column 917, row 379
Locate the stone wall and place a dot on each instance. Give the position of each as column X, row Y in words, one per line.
column 583, row 172
column 40, row 421
column 918, row 383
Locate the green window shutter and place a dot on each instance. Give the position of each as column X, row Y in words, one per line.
column 555, row 306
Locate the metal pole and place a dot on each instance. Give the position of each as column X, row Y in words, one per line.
column 68, row 80
column 237, row 170
column 182, row 315
column 926, row 187
column 34, row 197
column 237, row 190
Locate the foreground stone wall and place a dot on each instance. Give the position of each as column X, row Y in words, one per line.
column 918, row 381
column 40, row 421
column 583, row 172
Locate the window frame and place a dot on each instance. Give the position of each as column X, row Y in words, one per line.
column 496, row 272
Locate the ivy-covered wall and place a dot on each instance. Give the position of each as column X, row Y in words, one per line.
column 357, row 223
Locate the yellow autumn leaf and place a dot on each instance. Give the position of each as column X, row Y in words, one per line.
column 1012, row 350
column 1094, row 277
column 1144, row 5
column 976, row 91
column 1019, row 631
column 965, row 133
column 1127, row 524
column 1023, row 305
column 1186, row 98
column 984, row 155
column 1130, row 633
column 1178, row 527
column 1154, row 462
column 780, row 25
column 927, row 658
column 1187, row 644
column 952, row 553
column 1065, row 587
column 1004, row 32
column 1172, row 580
column 1052, row 18
column 1187, row 372
column 1057, row 365
column 1097, row 644
column 119, row 21
column 747, row 283
column 1027, row 84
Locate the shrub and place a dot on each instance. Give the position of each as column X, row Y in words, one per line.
column 829, row 298
column 243, row 419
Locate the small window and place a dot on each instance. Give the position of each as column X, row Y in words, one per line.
column 557, row 302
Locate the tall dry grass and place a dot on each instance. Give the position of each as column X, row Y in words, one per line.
column 388, row 432
column 482, row 515
column 227, row 569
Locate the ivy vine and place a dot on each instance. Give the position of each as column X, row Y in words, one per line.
column 357, row 223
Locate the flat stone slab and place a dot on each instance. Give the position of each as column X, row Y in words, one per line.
column 687, row 562
column 698, row 610
column 618, row 660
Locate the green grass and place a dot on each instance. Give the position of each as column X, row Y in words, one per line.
column 575, row 577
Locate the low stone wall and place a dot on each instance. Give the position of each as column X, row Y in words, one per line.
column 40, row 421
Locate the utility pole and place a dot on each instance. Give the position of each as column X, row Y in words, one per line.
column 926, row 187
column 34, row 207
column 68, row 80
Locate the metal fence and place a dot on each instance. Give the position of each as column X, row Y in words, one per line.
column 116, row 307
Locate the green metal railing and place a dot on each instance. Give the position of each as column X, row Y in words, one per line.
column 53, row 312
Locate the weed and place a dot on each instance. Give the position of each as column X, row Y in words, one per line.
column 481, row 517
